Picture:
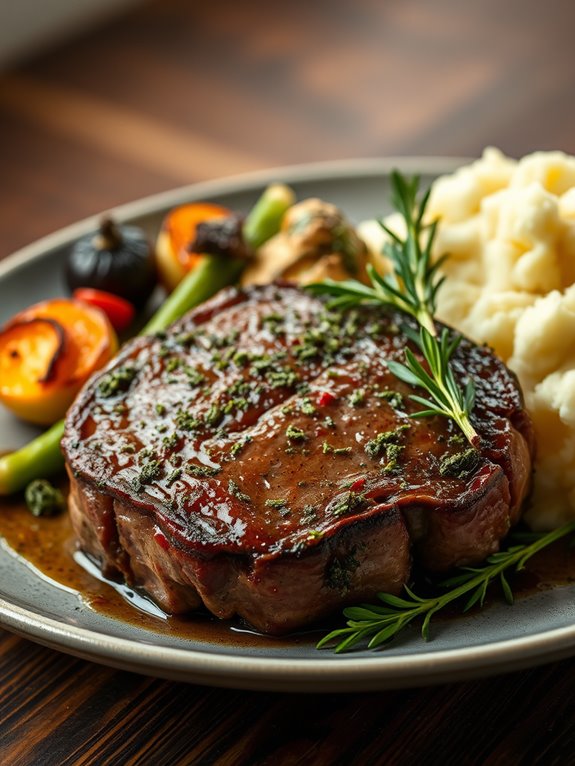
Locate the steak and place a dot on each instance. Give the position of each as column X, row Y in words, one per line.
column 258, row 458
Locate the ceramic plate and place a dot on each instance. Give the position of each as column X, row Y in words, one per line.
column 539, row 628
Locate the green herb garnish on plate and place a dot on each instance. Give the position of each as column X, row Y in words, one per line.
column 377, row 624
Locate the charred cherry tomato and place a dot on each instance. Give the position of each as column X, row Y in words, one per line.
column 116, row 259
column 119, row 311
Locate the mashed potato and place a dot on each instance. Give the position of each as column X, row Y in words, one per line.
column 509, row 229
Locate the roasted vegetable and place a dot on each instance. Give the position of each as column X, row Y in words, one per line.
column 265, row 218
column 212, row 274
column 42, row 456
column 116, row 259
column 315, row 242
column 173, row 256
column 47, row 352
column 190, row 231
column 119, row 311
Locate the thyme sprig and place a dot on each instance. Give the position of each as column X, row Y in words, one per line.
column 411, row 286
column 381, row 622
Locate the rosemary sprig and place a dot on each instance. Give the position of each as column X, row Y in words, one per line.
column 448, row 399
column 381, row 622
column 412, row 288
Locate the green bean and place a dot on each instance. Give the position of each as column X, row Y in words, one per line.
column 264, row 219
column 210, row 275
column 39, row 458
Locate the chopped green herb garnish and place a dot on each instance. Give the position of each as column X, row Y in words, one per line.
column 393, row 398
column 222, row 341
column 171, row 441
column 173, row 364
column 187, row 338
column 263, row 363
column 328, row 449
column 275, row 503
column 459, row 465
column 357, row 398
column 376, row 446
column 241, row 357
column 173, row 476
column 43, row 498
column 201, row 471
column 392, row 453
column 187, row 421
column 348, row 502
column 236, row 448
column 295, row 434
column 307, row 406
column 241, row 388
column 284, row 377
column 234, row 490
column 117, row 381
column 239, row 403
column 214, row 415
column 273, row 322
column 340, row 571
column 195, row 377
column 149, row 472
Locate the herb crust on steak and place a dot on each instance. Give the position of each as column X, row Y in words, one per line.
column 259, row 458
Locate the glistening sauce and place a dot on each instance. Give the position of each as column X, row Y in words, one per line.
column 48, row 545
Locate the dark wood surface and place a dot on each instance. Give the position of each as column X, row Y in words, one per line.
column 170, row 94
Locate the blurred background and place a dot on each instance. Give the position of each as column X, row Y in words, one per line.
column 105, row 101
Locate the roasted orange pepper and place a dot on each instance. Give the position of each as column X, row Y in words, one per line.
column 47, row 352
column 178, row 231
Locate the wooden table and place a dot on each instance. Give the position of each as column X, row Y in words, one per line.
column 167, row 95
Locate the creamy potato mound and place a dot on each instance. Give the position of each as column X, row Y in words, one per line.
column 509, row 229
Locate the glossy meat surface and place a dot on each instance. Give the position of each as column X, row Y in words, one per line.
column 262, row 441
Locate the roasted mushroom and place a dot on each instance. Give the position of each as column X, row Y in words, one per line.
column 315, row 242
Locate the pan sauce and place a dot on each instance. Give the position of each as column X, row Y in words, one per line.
column 48, row 545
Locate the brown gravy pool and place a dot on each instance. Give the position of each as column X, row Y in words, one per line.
column 48, row 545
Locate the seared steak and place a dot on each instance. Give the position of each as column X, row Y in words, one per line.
column 259, row 458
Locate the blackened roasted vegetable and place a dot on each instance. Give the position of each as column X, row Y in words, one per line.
column 117, row 259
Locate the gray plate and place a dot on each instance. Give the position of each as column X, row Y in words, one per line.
column 538, row 629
